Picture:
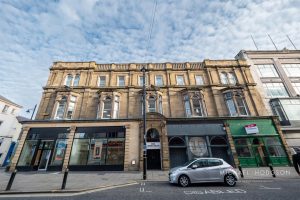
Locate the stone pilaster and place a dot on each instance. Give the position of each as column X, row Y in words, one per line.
column 127, row 152
column 69, row 147
column 232, row 146
column 18, row 152
column 164, row 147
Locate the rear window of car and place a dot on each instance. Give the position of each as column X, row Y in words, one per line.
column 214, row 162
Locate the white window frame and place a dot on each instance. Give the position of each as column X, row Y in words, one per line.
column 110, row 109
column 99, row 81
column 231, row 103
column 199, row 80
column 141, row 80
column 178, row 80
column 5, row 109
column 268, row 87
column 156, row 80
column 67, row 80
column 76, row 80
column 66, row 107
column 289, row 69
column 119, row 80
column 267, row 70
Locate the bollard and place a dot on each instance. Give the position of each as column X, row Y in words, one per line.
column 241, row 171
column 272, row 171
column 63, row 186
column 11, row 180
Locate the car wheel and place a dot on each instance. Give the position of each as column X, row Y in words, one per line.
column 230, row 180
column 184, row 181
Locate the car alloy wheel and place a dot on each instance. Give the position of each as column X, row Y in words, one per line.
column 230, row 180
column 184, row 181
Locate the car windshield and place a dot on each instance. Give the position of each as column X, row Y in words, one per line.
column 189, row 162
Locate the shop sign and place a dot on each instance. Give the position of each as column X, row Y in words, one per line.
column 153, row 145
column 251, row 129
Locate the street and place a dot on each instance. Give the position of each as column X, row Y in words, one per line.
column 245, row 189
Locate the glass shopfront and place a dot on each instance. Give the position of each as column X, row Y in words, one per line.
column 98, row 148
column 44, row 149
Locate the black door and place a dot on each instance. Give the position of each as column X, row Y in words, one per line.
column 153, row 159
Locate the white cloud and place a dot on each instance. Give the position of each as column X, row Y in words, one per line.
column 36, row 33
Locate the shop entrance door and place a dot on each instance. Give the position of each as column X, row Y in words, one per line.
column 258, row 151
column 153, row 149
column 44, row 160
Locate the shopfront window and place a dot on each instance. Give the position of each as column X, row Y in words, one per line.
column 115, row 152
column 59, row 152
column 80, row 152
column 243, row 151
column 27, row 153
column 97, row 153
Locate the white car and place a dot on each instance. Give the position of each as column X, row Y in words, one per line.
column 202, row 170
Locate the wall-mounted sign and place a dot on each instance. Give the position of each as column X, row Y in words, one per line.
column 251, row 129
column 153, row 145
column 197, row 146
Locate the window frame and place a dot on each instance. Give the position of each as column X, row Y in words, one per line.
column 264, row 73
column 99, row 81
column 156, row 80
column 197, row 82
column 269, row 88
column 5, row 109
column 118, row 79
column 231, row 96
column 177, row 80
column 66, row 107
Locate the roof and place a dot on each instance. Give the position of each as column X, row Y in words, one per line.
column 9, row 101
column 21, row 119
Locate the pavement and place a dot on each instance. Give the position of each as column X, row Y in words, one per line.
column 50, row 182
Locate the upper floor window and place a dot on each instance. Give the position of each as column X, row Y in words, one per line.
column 141, row 79
column 70, row 81
column 153, row 103
column 296, row 86
column 236, row 104
column 275, row 90
column 109, row 107
column 292, row 70
column 102, row 81
column 4, row 110
column 159, row 80
column 180, row 80
column 121, row 80
column 193, row 104
column 199, row 80
column 228, row 78
column 66, row 107
column 76, row 80
column 267, row 70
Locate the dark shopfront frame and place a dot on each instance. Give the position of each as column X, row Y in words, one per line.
column 117, row 133
column 39, row 135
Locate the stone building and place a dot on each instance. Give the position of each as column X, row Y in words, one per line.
column 90, row 117
column 277, row 74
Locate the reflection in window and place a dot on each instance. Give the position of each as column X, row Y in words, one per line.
column 236, row 104
column 159, row 80
column 199, row 80
column 292, row 70
column 180, row 80
column 275, row 90
column 243, row 151
column 61, row 108
column 116, row 107
column 106, row 114
column 267, row 70
column 141, row 79
column 69, row 80
column 80, row 152
column 71, row 107
column 228, row 78
column 27, row 153
column 151, row 104
column 76, row 80
column 59, row 152
column 187, row 105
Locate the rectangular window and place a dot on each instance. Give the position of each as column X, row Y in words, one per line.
column 241, row 105
column 180, row 80
column 116, row 107
column 296, row 86
column 102, row 81
column 187, row 106
column 59, row 152
column 5, row 109
column 107, row 109
column 292, row 70
column 27, row 153
column 121, row 80
column 199, row 80
column 151, row 104
column 275, row 90
column 80, row 152
column 141, row 79
column 159, row 80
column 267, row 70
column 71, row 107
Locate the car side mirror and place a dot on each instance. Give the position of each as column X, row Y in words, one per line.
column 194, row 166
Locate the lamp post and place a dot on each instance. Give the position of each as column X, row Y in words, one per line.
column 28, row 111
column 144, row 126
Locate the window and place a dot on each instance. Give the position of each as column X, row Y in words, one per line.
column 228, row 78
column 66, row 108
column 106, row 114
column 224, row 78
column 236, row 104
column 5, row 109
column 296, row 86
column 13, row 111
column 160, row 109
column 102, row 81
column 187, row 105
column 292, row 70
column 180, row 80
column 141, row 79
column 69, row 80
column 116, row 107
column 267, row 70
column 151, row 104
column 275, row 90
column 199, row 80
column 286, row 109
column 231, row 78
column 121, row 80
column 1, row 140
column 159, row 80
column 76, row 80
column 214, row 162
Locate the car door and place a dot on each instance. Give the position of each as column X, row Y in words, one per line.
column 198, row 174
column 213, row 169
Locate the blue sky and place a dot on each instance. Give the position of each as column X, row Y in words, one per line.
column 36, row 33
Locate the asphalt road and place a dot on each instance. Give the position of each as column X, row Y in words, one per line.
column 247, row 189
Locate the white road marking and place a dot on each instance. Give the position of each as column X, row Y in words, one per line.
column 231, row 191
column 268, row 188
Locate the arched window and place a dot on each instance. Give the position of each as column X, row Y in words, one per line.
column 218, row 140
column 177, row 141
column 231, row 78
column 236, row 104
column 76, row 80
column 197, row 106
column 152, row 135
column 69, row 80
column 194, row 106
column 116, row 107
column 187, row 105
column 224, row 78
column 106, row 113
column 61, row 108
column 228, row 78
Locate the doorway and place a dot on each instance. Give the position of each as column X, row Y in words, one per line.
column 259, row 152
column 153, row 149
column 43, row 155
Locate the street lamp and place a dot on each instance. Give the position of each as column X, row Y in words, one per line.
column 28, row 111
column 144, row 126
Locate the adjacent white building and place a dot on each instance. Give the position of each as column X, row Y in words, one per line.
column 10, row 129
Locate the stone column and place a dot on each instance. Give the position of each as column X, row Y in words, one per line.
column 127, row 152
column 18, row 152
column 232, row 146
column 164, row 147
column 69, row 148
